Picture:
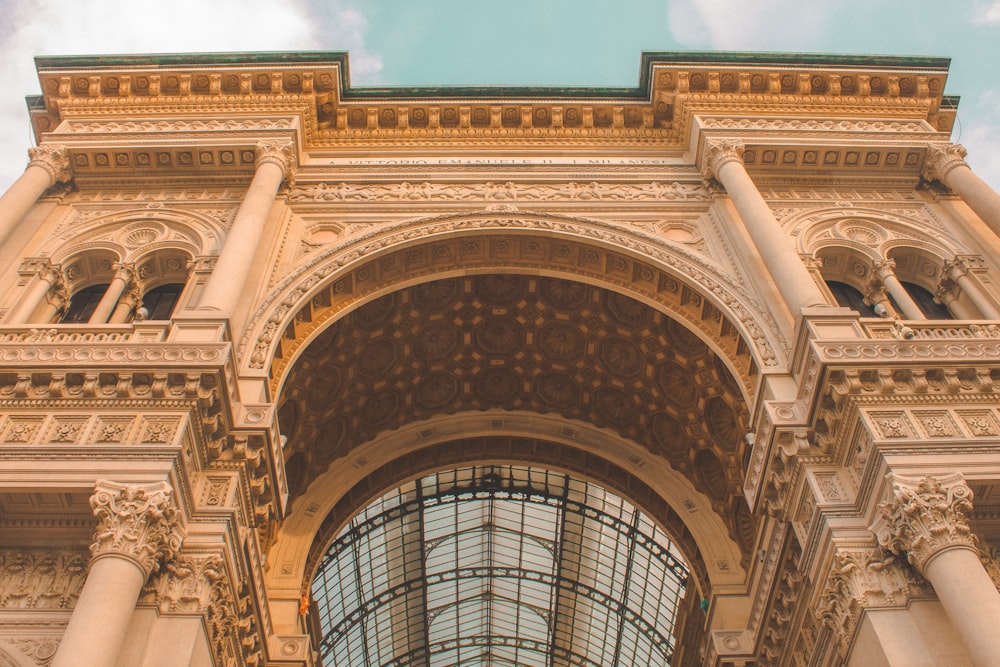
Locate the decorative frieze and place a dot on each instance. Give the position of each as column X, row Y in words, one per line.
column 41, row 578
column 138, row 522
column 925, row 516
column 594, row 191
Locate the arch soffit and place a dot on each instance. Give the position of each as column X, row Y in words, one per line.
column 135, row 233
column 595, row 252
column 570, row 446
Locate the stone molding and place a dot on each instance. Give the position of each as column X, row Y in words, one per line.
column 54, row 159
column 137, row 522
column 925, row 516
column 942, row 158
column 720, row 152
column 279, row 153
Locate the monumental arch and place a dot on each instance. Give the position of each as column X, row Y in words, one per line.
column 701, row 372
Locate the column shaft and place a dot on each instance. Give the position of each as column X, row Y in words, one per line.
column 33, row 298
column 110, row 299
column 977, row 297
column 976, row 193
column 229, row 277
column 911, row 310
column 100, row 620
column 49, row 165
column 786, row 268
column 970, row 599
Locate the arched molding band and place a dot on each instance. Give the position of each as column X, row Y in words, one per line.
column 571, row 446
column 157, row 228
column 347, row 276
column 809, row 226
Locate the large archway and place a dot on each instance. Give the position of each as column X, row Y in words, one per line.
column 516, row 368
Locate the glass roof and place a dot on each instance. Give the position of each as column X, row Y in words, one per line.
column 499, row 565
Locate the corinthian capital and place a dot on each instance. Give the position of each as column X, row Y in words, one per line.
column 925, row 516
column 137, row 522
column 719, row 152
column 942, row 158
column 187, row 583
column 859, row 579
column 280, row 153
column 53, row 158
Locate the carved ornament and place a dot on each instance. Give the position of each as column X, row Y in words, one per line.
column 54, row 159
column 926, row 516
column 41, row 579
column 186, row 584
column 138, row 522
column 941, row 159
column 279, row 153
column 864, row 579
column 507, row 191
column 720, row 152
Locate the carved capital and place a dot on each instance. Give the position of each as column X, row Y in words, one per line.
column 925, row 516
column 280, row 153
column 884, row 268
column 719, row 152
column 863, row 579
column 942, row 158
column 138, row 522
column 53, row 158
column 956, row 268
column 186, row 584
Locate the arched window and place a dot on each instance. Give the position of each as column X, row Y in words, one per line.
column 926, row 303
column 82, row 304
column 159, row 302
column 849, row 297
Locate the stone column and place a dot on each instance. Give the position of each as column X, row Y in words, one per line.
column 958, row 271
column 724, row 161
column 885, row 270
column 138, row 527
column 48, row 277
column 274, row 162
column 124, row 276
column 878, row 295
column 946, row 163
column 926, row 518
column 946, row 293
column 48, row 165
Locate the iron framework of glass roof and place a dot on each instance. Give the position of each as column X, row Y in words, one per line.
column 499, row 565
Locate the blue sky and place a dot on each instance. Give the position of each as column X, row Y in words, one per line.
column 542, row 42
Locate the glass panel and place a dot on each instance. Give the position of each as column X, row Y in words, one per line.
column 499, row 565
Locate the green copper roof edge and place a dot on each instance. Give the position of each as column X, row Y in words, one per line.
column 341, row 58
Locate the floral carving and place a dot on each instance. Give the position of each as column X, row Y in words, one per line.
column 186, row 584
column 942, row 158
column 926, row 516
column 54, row 159
column 719, row 152
column 280, row 153
column 863, row 579
column 138, row 522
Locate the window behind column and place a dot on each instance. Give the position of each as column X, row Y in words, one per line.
column 83, row 303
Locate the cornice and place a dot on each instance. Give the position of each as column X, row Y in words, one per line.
column 315, row 87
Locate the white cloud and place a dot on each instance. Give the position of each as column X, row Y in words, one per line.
column 748, row 25
column 979, row 131
column 988, row 15
column 60, row 27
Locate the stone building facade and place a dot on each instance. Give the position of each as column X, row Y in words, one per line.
column 755, row 296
